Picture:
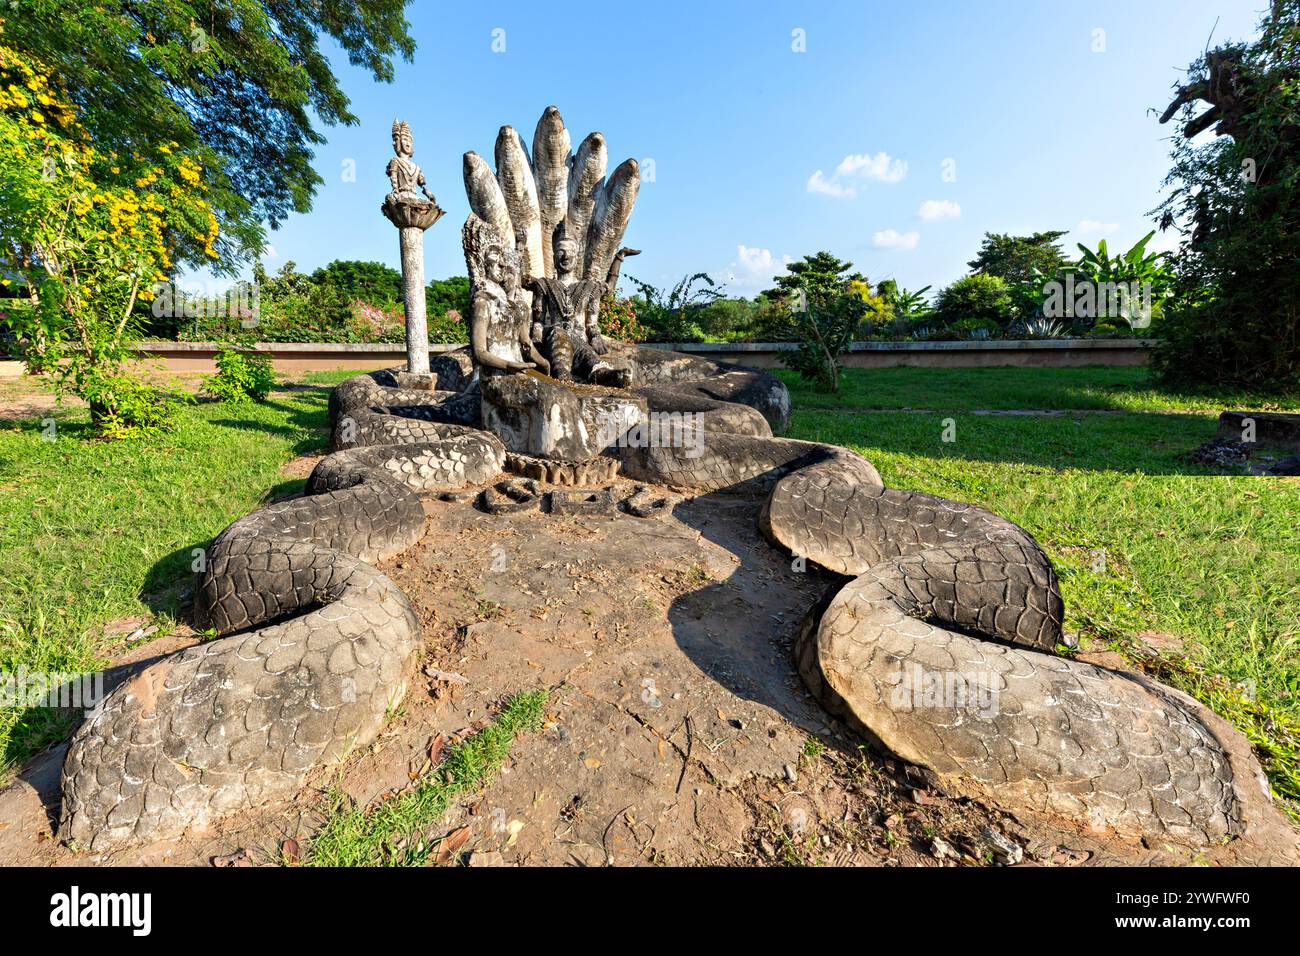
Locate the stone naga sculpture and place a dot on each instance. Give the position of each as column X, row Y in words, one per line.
column 566, row 221
column 314, row 643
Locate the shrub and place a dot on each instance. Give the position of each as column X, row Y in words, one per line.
column 1039, row 328
column 446, row 329
column 618, row 320
column 974, row 329
column 242, row 374
column 1125, row 290
column 825, row 328
column 124, row 407
column 980, row 296
column 673, row 315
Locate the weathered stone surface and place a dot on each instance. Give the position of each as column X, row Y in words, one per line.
column 942, row 648
column 499, row 309
column 512, row 497
column 319, row 647
column 556, row 471
column 1268, row 428
column 549, row 419
column 645, row 503
column 417, row 381
column 600, row 501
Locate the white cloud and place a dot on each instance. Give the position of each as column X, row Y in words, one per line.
column 818, row 183
column 881, row 167
column 860, row 167
column 893, row 239
column 1091, row 227
column 756, row 267
column 939, row 209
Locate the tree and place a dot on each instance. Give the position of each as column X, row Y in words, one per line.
column 1234, row 317
column 821, row 304
column 981, row 297
column 90, row 232
column 818, row 279
column 822, row 277
column 236, row 84
column 1014, row 258
column 371, row 282
column 825, row 327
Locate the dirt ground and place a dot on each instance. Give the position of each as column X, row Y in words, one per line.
column 677, row 731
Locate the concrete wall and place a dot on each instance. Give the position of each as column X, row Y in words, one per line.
column 1047, row 353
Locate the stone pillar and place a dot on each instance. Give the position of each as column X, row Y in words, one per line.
column 417, row 322
column 412, row 217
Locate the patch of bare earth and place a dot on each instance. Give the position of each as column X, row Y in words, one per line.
column 677, row 731
column 300, row 467
column 22, row 399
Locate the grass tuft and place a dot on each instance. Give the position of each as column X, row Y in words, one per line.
column 396, row 833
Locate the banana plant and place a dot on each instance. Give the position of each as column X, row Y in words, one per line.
column 912, row 305
column 1132, row 270
column 1136, row 265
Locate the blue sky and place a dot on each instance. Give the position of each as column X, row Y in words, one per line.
column 761, row 152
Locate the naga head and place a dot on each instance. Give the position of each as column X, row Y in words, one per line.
column 533, row 192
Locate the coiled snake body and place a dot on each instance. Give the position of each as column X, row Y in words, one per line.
column 940, row 646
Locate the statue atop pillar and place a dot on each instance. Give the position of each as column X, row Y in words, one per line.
column 409, row 203
column 411, row 213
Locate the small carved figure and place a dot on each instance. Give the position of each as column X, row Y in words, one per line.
column 499, row 319
column 403, row 172
column 566, row 320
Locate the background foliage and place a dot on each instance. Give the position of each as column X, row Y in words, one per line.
column 1235, row 314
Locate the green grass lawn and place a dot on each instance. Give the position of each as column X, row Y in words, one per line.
column 961, row 389
column 92, row 532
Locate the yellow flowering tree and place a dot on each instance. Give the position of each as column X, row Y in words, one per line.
column 88, row 232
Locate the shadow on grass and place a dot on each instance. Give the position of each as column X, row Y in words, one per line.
column 310, row 425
